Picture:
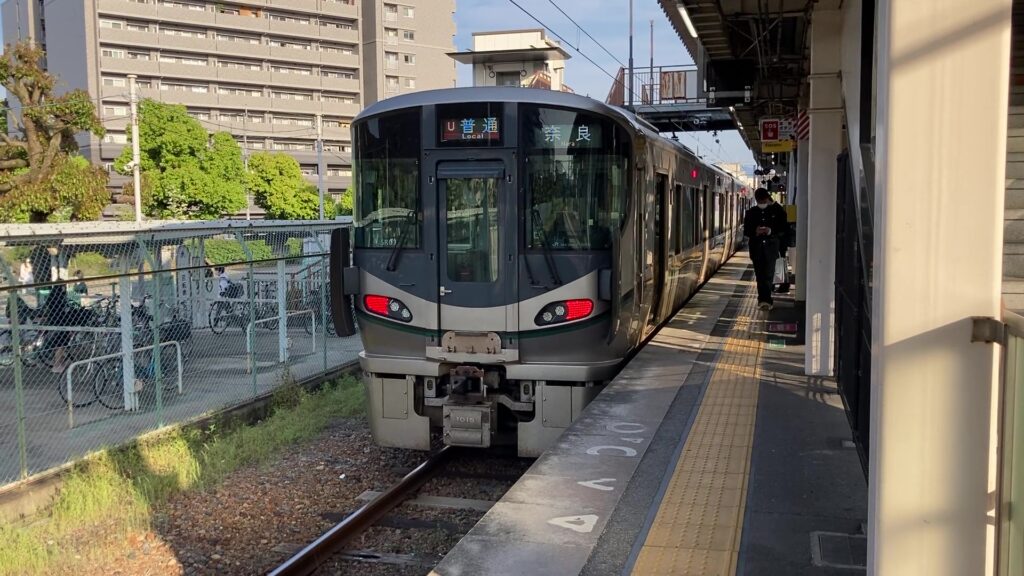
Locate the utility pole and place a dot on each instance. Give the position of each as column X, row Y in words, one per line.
column 320, row 161
column 629, row 85
column 245, row 162
column 652, row 51
column 133, row 98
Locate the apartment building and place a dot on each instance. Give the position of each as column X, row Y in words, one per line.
column 262, row 70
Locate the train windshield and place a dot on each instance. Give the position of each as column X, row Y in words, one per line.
column 576, row 175
column 387, row 177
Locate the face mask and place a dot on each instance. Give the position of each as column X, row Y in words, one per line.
column 762, row 206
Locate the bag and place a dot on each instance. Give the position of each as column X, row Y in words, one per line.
column 780, row 271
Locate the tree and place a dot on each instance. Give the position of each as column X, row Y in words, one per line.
column 43, row 143
column 187, row 173
column 76, row 190
column 346, row 203
column 278, row 187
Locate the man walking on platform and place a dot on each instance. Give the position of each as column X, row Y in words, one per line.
column 764, row 224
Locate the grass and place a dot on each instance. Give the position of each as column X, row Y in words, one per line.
column 116, row 492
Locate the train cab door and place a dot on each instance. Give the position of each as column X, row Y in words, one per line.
column 476, row 238
column 661, row 219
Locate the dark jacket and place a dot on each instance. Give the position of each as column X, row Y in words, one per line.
column 774, row 217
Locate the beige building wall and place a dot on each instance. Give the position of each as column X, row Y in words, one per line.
column 259, row 69
column 406, row 45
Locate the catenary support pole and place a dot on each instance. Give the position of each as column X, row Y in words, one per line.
column 320, row 161
column 133, row 99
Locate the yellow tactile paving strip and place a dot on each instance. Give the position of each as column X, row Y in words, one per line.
column 698, row 525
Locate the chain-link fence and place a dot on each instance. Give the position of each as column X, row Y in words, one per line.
column 110, row 331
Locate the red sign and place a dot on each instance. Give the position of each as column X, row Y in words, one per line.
column 769, row 130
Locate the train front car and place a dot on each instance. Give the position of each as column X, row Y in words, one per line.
column 488, row 227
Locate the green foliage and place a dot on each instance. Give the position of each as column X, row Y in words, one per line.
column 223, row 251
column 293, row 246
column 76, row 190
column 347, row 203
column 187, row 174
column 91, row 264
column 119, row 492
column 277, row 186
column 40, row 178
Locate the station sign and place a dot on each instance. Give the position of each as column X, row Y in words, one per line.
column 777, row 135
column 777, row 146
column 465, row 129
column 769, row 129
column 567, row 136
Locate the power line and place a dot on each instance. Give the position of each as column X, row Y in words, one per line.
column 578, row 51
column 584, row 30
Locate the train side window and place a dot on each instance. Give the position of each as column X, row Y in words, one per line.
column 684, row 217
column 697, row 201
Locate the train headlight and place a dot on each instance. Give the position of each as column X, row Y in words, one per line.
column 387, row 307
column 564, row 311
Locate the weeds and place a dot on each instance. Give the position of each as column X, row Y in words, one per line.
column 117, row 491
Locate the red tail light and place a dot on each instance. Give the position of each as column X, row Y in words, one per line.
column 577, row 309
column 377, row 304
column 564, row 311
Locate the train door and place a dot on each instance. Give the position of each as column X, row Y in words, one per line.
column 475, row 236
column 660, row 242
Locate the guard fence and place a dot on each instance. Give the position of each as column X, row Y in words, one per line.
column 113, row 330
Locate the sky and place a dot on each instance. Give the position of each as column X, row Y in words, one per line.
column 608, row 22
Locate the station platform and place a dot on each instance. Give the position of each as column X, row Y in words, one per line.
column 710, row 454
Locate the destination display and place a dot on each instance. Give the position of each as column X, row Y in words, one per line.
column 567, row 136
column 469, row 129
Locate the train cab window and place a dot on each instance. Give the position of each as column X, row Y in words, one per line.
column 576, row 178
column 387, row 208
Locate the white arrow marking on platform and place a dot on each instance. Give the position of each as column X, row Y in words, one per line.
column 596, row 484
column 582, row 524
column 596, row 450
column 632, row 440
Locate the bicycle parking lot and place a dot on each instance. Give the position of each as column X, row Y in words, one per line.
column 147, row 335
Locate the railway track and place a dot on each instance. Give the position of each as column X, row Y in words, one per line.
column 307, row 560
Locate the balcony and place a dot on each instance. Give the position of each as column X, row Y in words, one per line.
column 198, row 99
column 128, row 66
column 186, row 43
column 242, row 23
column 187, row 71
column 340, row 84
column 237, row 102
column 330, row 8
column 311, row 6
column 335, row 133
column 340, row 60
column 239, row 75
column 340, row 35
column 241, row 49
column 175, row 15
column 307, row 31
column 127, row 9
column 296, row 80
column 295, row 106
column 295, row 54
column 341, row 109
column 129, row 37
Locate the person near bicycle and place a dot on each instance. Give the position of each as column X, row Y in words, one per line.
column 80, row 286
column 58, row 311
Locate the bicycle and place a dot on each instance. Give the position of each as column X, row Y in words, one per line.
column 108, row 383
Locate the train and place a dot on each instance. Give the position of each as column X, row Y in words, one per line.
column 511, row 249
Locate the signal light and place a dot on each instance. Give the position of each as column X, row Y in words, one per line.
column 693, row 173
column 387, row 307
column 564, row 311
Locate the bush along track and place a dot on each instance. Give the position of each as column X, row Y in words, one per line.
column 112, row 498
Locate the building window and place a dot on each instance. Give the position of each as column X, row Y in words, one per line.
column 278, row 145
column 111, row 110
column 390, row 12
column 338, row 48
column 391, row 36
column 241, row 118
column 113, row 81
column 338, row 98
column 337, row 147
column 137, row 27
column 507, row 79
column 185, row 32
column 228, row 10
column 199, row 114
column 144, row 83
column 409, row 59
column 292, row 120
column 279, row 94
column 308, row 170
column 409, row 82
column 133, row 55
column 112, row 24
column 239, row 91
column 238, row 38
column 339, row 172
column 339, row 24
column 332, row 73
column 180, row 87
column 173, row 59
column 239, row 65
column 115, row 138
column 291, row 70
column 391, row 83
column 112, row 53
column 284, row 18
column 391, row 60
column 408, row 35
column 408, row 12
column 287, row 44
column 185, row 5
column 257, row 144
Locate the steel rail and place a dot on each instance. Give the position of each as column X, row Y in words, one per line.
column 307, row 560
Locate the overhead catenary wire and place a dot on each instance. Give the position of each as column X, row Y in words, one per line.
column 584, row 30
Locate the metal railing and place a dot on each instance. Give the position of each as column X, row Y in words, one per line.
column 1010, row 514
column 99, row 321
column 659, row 85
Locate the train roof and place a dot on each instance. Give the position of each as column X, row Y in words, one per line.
column 503, row 94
